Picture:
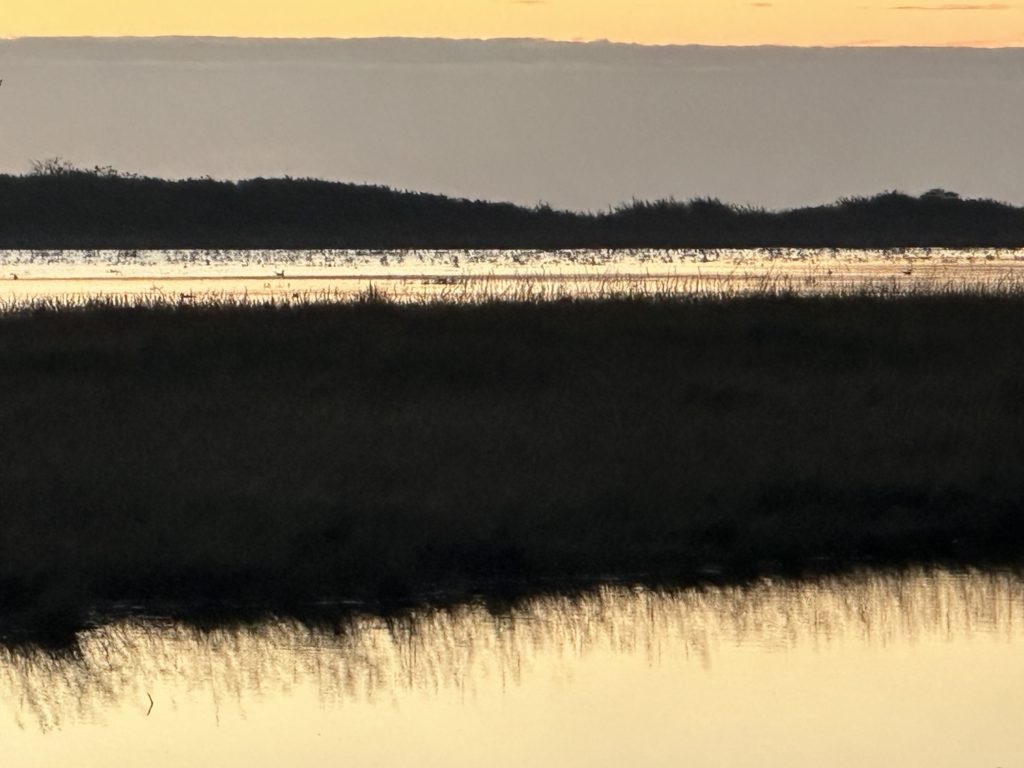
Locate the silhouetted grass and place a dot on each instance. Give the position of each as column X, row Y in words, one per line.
column 274, row 456
column 64, row 207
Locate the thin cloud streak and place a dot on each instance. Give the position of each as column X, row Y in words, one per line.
column 954, row 7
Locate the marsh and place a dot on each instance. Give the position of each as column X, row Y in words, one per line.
column 277, row 455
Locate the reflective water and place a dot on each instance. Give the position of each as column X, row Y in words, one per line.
column 198, row 275
column 922, row 669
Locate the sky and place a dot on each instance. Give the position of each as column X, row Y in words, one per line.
column 580, row 126
column 795, row 102
column 710, row 22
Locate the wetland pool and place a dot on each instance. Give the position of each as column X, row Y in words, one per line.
column 921, row 668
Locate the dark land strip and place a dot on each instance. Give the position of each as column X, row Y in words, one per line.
column 65, row 208
column 268, row 458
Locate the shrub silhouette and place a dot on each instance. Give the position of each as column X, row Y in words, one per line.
column 61, row 206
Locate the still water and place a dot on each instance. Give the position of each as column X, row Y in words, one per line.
column 326, row 275
column 920, row 669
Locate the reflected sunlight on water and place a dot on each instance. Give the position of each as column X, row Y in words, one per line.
column 872, row 667
column 258, row 276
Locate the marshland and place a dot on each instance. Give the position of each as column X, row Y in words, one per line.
column 295, row 471
column 313, row 498
column 241, row 458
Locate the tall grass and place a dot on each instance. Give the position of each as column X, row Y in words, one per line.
column 276, row 455
column 487, row 289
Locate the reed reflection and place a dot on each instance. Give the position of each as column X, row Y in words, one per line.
column 467, row 649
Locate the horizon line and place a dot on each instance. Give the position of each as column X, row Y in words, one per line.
column 879, row 45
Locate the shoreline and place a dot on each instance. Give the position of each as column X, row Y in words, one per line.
column 68, row 278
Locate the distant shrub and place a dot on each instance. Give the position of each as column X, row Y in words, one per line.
column 59, row 205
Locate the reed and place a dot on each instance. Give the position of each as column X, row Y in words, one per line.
column 274, row 455
column 489, row 289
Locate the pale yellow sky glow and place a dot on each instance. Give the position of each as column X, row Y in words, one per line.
column 710, row 22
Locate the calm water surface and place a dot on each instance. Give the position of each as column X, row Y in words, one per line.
column 198, row 275
column 920, row 669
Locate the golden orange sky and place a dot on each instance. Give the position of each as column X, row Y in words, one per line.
column 712, row 22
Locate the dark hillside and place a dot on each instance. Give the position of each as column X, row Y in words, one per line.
column 68, row 208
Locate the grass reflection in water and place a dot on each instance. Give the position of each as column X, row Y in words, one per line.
column 468, row 648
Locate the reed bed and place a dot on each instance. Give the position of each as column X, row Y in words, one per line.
column 240, row 453
column 486, row 289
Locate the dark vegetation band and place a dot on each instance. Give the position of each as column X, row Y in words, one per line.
column 60, row 206
column 276, row 456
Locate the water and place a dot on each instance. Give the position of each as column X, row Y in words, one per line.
column 920, row 669
column 197, row 275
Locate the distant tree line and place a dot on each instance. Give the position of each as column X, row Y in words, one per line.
column 61, row 206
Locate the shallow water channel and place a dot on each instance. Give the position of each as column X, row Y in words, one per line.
column 920, row 669
column 202, row 276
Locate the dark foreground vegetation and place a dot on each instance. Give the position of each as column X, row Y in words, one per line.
column 63, row 207
column 272, row 457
